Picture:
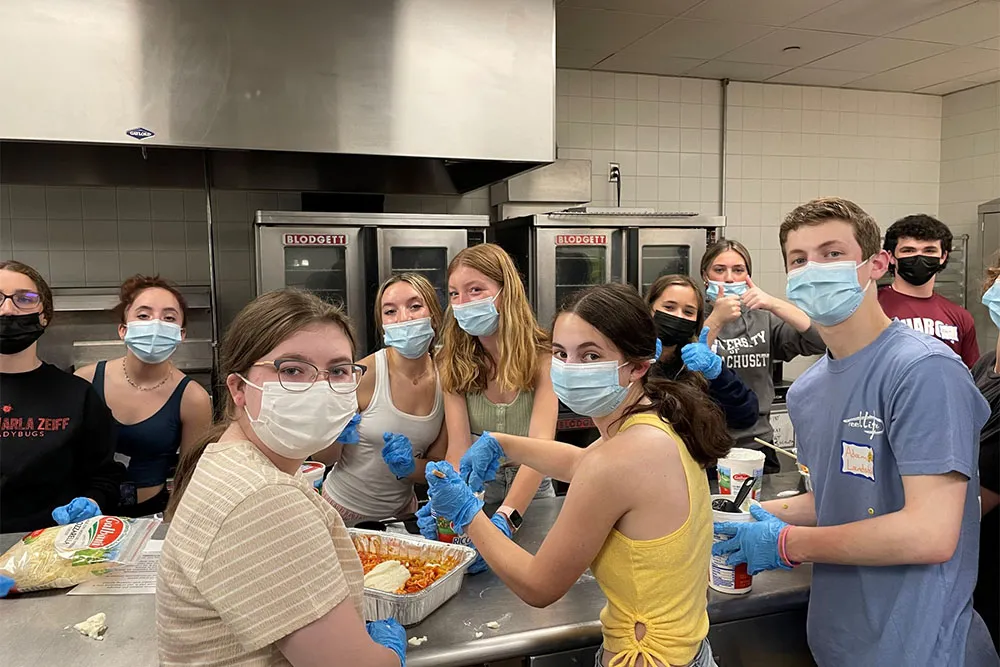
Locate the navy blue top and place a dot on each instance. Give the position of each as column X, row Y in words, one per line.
column 737, row 400
column 151, row 444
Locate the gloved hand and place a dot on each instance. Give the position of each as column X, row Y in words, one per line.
column 78, row 509
column 659, row 349
column 398, row 454
column 349, row 436
column 479, row 565
column 699, row 357
column 452, row 498
column 427, row 523
column 390, row 634
column 754, row 543
column 481, row 462
column 6, row 583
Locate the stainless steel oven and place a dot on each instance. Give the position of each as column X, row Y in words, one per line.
column 559, row 253
column 343, row 257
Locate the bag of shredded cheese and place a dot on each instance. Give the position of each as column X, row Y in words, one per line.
column 64, row 556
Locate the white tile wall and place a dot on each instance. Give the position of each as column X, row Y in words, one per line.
column 789, row 144
column 970, row 154
column 664, row 132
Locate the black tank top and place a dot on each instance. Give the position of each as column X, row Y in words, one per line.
column 151, row 444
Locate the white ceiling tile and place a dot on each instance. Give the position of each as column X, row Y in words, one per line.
column 578, row 58
column 960, row 27
column 721, row 69
column 993, row 43
column 773, row 13
column 988, row 76
column 951, row 65
column 599, row 30
column 949, row 87
column 807, row 76
column 643, row 64
column 892, row 80
column 875, row 17
column 767, row 50
column 686, row 38
column 654, row 7
column 878, row 55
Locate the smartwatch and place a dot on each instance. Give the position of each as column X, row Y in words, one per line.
column 512, row 515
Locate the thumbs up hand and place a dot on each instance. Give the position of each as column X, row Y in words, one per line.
column 698, row 357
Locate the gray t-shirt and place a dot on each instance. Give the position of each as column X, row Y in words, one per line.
column 748, row 345
column 903, row 405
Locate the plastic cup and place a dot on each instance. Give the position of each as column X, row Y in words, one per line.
column 730, row 579
column 312, row 473
column 738, row 465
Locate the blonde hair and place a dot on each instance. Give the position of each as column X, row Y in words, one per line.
column 260, row 327
column 464, row 365
column 992, row 273
column 426, row 291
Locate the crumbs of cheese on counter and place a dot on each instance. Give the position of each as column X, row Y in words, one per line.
column 493, row 625
column 479, row 635
column 94, row 627
column 416, row 641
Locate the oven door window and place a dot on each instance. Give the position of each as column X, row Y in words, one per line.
column 431, row 263
column 578, row 267
column 663, row 260
column 320, row 270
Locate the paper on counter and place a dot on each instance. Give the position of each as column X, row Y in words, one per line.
column 137, row 579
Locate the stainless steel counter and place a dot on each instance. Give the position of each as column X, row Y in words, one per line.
column 32, row 626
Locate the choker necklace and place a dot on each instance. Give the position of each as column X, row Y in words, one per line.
column 155, row 386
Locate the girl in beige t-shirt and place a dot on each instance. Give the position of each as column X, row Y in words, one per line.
column 257, row 569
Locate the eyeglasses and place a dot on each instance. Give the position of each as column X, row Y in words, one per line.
column 297, row 376
column 22, row 299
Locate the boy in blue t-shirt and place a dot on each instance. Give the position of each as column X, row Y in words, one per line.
column 888, row 423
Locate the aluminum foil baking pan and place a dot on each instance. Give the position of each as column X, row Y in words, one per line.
column 411, row 608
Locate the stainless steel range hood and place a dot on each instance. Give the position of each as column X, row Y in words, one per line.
column 392, row 96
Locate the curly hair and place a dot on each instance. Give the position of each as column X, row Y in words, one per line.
column 921, row 227
column 137, row 284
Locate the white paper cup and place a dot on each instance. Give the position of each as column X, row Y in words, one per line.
column 312, row 473
column 738, row 465
column 731, row 579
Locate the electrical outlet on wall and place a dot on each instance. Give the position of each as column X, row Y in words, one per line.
column 614, row 172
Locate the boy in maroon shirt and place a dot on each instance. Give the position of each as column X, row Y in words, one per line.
column 919, row 247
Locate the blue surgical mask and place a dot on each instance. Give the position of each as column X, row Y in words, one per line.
column 590, row 390
column 477, row 318
column 411, row 339
column 152, row 341
column 992, row 301
column 828, row 293
column 728, row 289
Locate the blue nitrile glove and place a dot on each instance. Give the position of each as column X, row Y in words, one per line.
column 754, row 543
column 6, row 583
column 452, row 498
column 426, row 523
column 479, row 565
column 659, row 349
column 398, row 455
column 698, row 357
column 78, row 509
column 481, row 462
column 349, row 436
column 390, row 634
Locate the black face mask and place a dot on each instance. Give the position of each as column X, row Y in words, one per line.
column 917, row 269
column 18, row 332
column 673, row 330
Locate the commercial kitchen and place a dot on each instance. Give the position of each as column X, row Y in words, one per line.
column 236, row 148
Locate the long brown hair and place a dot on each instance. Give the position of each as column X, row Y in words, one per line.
column 619, row 313
column 677, row 279
column 464, row 365
column 721, row 246
column 259, row 328
column 426, row 291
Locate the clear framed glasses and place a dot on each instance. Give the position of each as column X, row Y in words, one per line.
column 22, row 299
column 296, row 375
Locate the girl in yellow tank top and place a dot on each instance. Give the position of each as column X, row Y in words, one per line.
column 638, row 510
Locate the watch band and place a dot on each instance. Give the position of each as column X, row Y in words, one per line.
column 509, row 513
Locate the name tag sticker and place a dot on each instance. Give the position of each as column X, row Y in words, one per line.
column 857, row 460
column 122, row 458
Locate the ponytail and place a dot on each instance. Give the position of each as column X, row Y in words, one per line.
column 681, row 399
column 188, row 463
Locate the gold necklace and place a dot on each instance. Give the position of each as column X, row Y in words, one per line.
column 155, row 386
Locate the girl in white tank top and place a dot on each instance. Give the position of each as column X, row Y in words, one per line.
column 400, row 394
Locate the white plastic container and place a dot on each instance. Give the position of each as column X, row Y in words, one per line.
column 736, row 467
column 734, row 580
column 312, row 472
